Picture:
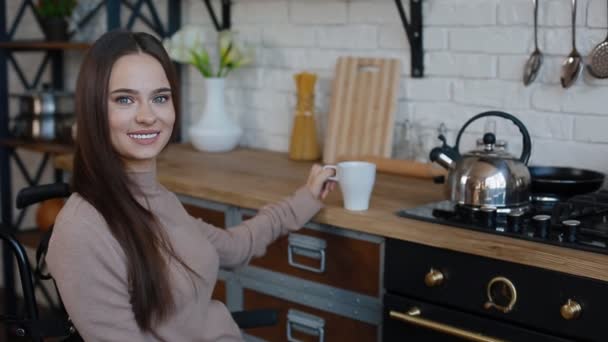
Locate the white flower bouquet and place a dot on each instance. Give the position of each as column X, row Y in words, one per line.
column 187, row 46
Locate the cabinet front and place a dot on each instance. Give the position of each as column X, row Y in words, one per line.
column 326, row 258
column 214, row 217
column 299, row 322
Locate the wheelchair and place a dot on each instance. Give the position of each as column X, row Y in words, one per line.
column 30, row 324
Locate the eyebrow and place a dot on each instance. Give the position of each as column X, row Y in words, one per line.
column 132, row 91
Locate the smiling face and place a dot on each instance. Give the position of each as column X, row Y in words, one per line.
column 140, row 110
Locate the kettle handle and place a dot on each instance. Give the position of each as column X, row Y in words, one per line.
column 527, row 148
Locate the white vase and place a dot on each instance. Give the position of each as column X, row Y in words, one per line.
column 215, row 131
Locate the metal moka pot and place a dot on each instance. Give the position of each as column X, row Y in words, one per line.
column 488, row 177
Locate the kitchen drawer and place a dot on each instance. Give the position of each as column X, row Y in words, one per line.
column 427, row 322
column 219, row 292
column 214, row 217
column 306, row 322
column 350, row 263
column 539, row 296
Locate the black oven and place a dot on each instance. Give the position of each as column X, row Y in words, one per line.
column 439, row 295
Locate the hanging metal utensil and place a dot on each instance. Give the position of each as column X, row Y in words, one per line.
column 572, row 65
column 598, row 59
column 536, row 59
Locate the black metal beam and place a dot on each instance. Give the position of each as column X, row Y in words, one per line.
column 6, row 197
column 226, row 23
column 135, row 12
column 156, row 18
column 113, row 14
column 413, row 30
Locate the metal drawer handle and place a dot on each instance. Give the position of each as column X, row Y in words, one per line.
column 413, row 317
column 307, row 246
column 305, row 323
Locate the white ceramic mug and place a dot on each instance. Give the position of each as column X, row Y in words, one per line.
column 356, row 179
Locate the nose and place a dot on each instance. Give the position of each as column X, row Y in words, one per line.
column 145, row 115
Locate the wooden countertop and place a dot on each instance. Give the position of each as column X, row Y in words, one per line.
column 253, row 178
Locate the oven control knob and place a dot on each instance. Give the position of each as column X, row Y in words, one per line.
column 434, row 278
column 571, row 310
column 515, row 221
column 572, row 229
column 541, row 225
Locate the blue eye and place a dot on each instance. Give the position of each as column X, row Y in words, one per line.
column 124, row 100
column 161, row 99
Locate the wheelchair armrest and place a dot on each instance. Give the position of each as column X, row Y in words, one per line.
column 255, row 318
column 39, row 193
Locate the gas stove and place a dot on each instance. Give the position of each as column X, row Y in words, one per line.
column 580, row 222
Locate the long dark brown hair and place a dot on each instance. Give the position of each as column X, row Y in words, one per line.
column 101, row 179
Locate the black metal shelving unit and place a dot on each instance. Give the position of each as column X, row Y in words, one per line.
column 53, row 60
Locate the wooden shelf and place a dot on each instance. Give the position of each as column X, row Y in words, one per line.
column 26, row 45
column 38, row 146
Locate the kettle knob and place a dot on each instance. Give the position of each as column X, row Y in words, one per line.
column 489, row 139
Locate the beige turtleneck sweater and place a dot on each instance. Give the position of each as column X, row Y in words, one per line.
column 89, row 265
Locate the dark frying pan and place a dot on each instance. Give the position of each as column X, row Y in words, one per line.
column 564, row 181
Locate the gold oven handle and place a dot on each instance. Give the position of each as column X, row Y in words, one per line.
column 412, row 317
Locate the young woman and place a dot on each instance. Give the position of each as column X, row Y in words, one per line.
column 129, row 262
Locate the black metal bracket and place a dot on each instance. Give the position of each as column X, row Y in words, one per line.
column 226, row 23
column 413, row 30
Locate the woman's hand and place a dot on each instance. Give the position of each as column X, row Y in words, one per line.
column 318, row 182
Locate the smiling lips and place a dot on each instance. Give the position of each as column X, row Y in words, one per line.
column 144, row 137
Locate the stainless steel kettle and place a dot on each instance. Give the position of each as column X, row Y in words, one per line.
column 488, row 177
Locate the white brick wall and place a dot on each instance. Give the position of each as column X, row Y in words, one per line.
column 475, row 51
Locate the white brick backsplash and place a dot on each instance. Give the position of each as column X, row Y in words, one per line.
column 197, row 13
column 516, row 12
column 260, row 12
column 512, row 67
column 540, row 124
column 561, row 41
column 434, row 38
column 432, row 114
column 570, row 153
column 265, row 141
column 271, row 101
column 248, row 34
column 492, row 93
column 318, row 12
column 475, row 51
column 585, row 100
column 288, row 36
column 490, row 40
column 348, row 37
column 279, row 79
column 374, row 12
column 460, row 65
column 428, row 89
column 547, row 98
column 591, row 129
column 559, row 13
column 459, row 12
column 596, row 15
column 394, row 37
column 551, row 70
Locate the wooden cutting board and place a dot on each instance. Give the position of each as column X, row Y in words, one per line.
column 363, row 103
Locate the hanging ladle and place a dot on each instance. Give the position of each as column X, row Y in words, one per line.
column 536, row 58
column 598, row 60
column 572, row 65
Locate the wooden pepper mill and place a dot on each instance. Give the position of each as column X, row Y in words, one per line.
column 303, row 144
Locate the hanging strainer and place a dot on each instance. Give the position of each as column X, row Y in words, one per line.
column 598, row 60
